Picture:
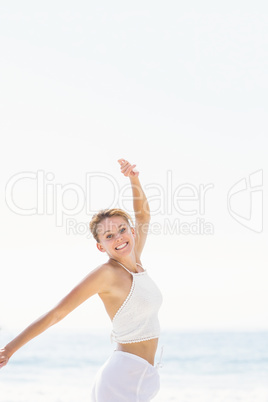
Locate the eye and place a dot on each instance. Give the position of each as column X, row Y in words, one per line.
column 109, row 236
column 122, row 230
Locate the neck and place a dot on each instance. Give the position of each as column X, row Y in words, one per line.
column 128, row 262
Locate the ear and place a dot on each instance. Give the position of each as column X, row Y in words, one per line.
column 100, row 247
column 133, row 231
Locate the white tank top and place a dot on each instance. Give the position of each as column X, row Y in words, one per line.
column 137, row 319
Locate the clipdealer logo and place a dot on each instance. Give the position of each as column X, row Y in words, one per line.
column 180, row 209
column 245, row 201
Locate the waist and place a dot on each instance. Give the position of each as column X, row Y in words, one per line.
column 145, row 349
column 135, row 330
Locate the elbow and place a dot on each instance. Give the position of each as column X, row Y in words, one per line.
column 146, row 215
column 144, row 218
column 56, row 315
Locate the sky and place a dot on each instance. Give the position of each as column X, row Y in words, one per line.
column 178, row 88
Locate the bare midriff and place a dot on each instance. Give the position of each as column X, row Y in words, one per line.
column 144, row 349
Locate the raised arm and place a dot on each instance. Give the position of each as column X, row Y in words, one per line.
column 93, row 283
column 140, row 204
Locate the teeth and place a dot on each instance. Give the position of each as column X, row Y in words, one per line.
column 122, row 246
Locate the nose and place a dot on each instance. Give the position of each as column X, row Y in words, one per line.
column 118, row 237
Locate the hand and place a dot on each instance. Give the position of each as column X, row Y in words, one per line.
column 4, row 358
column 127, row 169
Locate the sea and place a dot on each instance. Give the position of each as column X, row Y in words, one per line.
column 60, row 366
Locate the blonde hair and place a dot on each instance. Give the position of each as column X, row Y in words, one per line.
column 107, row 213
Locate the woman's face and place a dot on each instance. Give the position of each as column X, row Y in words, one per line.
column 116, row 237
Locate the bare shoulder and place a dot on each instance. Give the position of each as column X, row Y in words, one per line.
column 106, row 273
column 105, row 269
column 101, row 271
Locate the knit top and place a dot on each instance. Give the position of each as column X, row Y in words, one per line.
column 137, row 319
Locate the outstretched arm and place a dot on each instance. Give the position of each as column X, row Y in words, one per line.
column 93, row 283
column 140, row 204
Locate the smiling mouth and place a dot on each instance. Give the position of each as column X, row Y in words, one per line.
column 121, row 246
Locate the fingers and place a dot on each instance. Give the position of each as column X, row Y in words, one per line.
column 127, row 169
column 124, row 165
column 122, row 161
column 3, row 358
column 3, row 363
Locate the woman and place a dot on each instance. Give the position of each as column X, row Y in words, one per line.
column 130, row 297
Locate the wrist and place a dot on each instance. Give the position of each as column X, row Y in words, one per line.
column 9, row 350
column 134, row 179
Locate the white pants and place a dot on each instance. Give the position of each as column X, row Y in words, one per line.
column 125, row 377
